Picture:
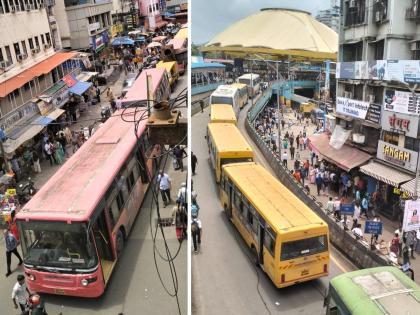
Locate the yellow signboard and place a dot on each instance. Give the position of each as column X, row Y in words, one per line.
column 115, row 29
column 11, row 192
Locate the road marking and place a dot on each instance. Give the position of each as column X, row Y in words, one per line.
column 339, row 265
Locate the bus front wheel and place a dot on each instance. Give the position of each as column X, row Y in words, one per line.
column 120, row 243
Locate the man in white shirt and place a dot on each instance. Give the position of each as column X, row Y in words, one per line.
column 20, row 293
column 358, row 231
column 165, row 187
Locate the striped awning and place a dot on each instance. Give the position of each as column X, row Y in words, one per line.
column 408, row 187
column 385, row 173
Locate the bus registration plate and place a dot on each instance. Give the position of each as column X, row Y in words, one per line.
column 59, row 291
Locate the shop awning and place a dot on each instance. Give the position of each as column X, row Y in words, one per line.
column 118, row 41
column 80, row 87
column 346, row 158
column 86, row 76
column 385, row 173
column 28, row 75
column 408, row 187
column 178, row 43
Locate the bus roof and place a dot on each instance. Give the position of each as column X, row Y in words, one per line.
column 182, row 33
column 283, row 210
column 378, row 291
column 248, row 76
column 239, row 85
column 74, row 191
column 138, row 91
column 166, row 65
column 222, row 113
column 224, row 90
column 228, row 139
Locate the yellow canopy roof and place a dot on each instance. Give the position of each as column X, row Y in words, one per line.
column 278, row 31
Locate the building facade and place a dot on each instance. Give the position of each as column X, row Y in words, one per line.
column 83, row 24
column 378, row 44
column 331, row 16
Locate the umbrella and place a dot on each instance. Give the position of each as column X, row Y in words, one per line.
column 118, row 41
column 158, row 38
column 154, row 44
column 167, row 14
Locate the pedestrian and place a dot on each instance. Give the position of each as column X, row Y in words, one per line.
column 399, row 231
column 178, row 221
column 297, row 156
column 356, row 214
column 411, row 240
column 63, row 141
column 301, row 141
column 98, row 94
column 194, row 207
column 37, row 165
column 418, row 241
column 20, row 293
column 357, row 231
column 48, row 148
column 394, row 247
column 196, row 232
column 201, row 102
column 11, row 247
column 330, row 206
column 180, row 154
column 194, row 162
column 292, row 152
column 406, row 253
column 375, row 237
column 182, row 196
column 312, row 154
column 318, row 182
column 165, row 187
column 282, row 123
column 337, row 206
column 110, row 95
column 284, row 158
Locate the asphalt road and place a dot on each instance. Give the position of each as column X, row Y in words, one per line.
column 224, row 280
column 134, row 287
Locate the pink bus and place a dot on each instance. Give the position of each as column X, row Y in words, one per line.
column 138, row 91
column 73, row 230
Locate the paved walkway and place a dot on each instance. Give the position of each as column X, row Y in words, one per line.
column 388, row 226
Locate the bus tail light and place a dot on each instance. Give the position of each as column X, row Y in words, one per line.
column 325, row 268
column 283, row 278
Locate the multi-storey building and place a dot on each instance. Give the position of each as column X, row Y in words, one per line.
column 378, row 43
column 176, row 6
column 331, row 16
column 83, row 24
column 151, row 10
column 30, row 74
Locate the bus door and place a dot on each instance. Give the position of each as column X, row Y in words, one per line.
column 230, row 197
column 101, row 234
column 261, row 235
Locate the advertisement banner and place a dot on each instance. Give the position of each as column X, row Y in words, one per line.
column 347, row 70
column 361, row 70
column 411, row 71
column 373, row 227
column 347, row 209
column 396, row 155
column 44, row 107
column 401, row 102
column 374, row 113
column 411, row 220
column 402, row 123
column 376, row 69
column 352, row 107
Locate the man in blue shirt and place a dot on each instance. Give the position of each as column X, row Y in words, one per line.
column 11, row 247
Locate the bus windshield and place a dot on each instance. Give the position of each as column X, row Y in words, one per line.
column 234, row 160
column 304, row 247
column 57, row 245
column 221, row 100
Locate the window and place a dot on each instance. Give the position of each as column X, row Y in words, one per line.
column 114, row 212
column 270, row 240
column 25, row 50
column 304, row 247
column 237, row 201
column 255, row 220
column 142, row 164
column 130, row 181
column 17, row 49
column 8, row 53
column 31, row 43
column 42, row 39
column 1, row 55
column 379, row 49
column 412, row 144
column 48, row 37
column 391, row 137
column 120, row 200
column 36, row 42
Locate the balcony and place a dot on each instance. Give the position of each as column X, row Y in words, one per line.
column 413, row 13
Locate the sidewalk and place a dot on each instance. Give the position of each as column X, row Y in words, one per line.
column 388, row 226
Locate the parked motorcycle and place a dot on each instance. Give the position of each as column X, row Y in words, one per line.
column 105, row 113
column 25, row 191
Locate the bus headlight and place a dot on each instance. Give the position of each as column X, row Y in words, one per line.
column 84, row 282
column 31, row 277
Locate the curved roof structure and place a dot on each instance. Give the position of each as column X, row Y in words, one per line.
column 278, row 32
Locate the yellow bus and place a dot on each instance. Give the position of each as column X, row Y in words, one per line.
column 243, row 93
column 172, row 69
column 222, row 113
column 182, row 33
column 287, row 239
column 226, row 145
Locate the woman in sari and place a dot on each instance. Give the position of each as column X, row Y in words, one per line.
column 59, row 153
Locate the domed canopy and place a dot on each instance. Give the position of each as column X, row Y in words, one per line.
column 278, row 32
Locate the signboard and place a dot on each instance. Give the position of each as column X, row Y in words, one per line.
column 396, row 155
column 93, row 27
column 347, row 209
column 403, row 194
column 401, row 102
column 11, row 192
column 411, row 220
column 17, row 117
column 403, row 123
column 69, row 80
column 44, row 107
column 373, row 227
column 374, row 113
column 352, row 107
column 115, row 29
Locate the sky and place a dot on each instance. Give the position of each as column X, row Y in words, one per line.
column 210, row 17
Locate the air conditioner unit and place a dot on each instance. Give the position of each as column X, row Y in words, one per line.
column 358, row 138
column 371, row 98
column 352, row 4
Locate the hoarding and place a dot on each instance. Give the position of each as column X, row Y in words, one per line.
column 411, row 220
column 350, row 107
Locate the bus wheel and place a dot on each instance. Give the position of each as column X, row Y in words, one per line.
column 120, row 243
column 255, row 258
column 228, row 212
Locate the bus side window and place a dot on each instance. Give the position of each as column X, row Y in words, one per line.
column 142, row 165
column 269, row 241
column 255, row 222
column 130, row 180
column 237, row 201
column 222, row 182
column 114, row 212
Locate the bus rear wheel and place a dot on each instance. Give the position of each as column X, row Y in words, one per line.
column 119, row 243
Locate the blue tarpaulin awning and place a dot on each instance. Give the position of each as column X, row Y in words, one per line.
column 80, row 87
column 167, row 14
column 118, row 41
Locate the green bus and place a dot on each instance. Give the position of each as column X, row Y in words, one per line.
column 374, row 291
